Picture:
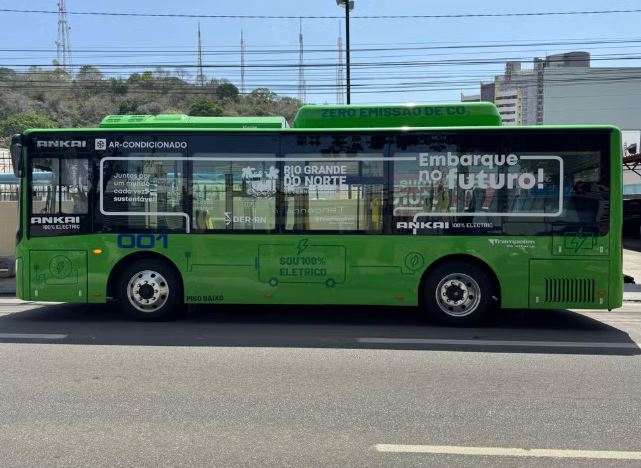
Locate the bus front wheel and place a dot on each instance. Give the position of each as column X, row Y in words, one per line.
column 149, row 290
column 458, row 293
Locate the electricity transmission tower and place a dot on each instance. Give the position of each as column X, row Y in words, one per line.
column 301, row 70
column 200, row 77
column 63, row 44
column 340, row 96
column 242, row 63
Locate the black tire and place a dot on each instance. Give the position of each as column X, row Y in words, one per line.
column 458, row 293
column 149, row 290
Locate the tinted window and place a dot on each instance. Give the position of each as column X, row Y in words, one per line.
column 235, row 180
column 143, row 184
column 60, row 192
column 333, row 183
column 516, row 184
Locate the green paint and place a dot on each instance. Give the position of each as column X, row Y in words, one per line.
column 337, row 269
column 304, row 262
column 408, row 115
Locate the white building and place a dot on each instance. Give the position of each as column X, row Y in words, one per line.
column 610, row 96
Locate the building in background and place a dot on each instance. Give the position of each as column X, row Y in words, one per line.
column 593, row 96
column 520, row 93
column 564, row 89
column 470, row 98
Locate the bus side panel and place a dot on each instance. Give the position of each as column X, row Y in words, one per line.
column 374, row 270
column 569, row 283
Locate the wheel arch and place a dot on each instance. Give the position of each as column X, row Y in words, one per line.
column 467, row 258
column 135, row 257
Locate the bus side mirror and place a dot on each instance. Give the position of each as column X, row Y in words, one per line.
column 16, row 154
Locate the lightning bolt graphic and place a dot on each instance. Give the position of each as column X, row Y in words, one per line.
column 302, row 245
column 577, row 241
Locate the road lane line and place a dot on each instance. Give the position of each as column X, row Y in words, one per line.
column 508, row 452
column 33, row 336
column 523, row 343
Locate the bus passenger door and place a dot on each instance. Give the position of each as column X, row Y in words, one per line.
column 59, row 216
column 58, row 275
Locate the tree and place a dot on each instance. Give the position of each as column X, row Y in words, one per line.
column 263, row 96
column 119, row 86
column 204, row 107
column 227, row 91
column 88, row 73
column 18, row 123
column 131, row 105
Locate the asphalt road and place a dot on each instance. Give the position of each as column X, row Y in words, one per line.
column 239, row 386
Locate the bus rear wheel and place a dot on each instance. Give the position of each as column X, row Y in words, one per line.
column 149, row 290
column 458, row 293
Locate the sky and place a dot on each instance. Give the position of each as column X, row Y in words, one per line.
column 393, row 60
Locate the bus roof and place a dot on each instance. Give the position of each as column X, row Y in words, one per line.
column 180, row 121
column 473, row 114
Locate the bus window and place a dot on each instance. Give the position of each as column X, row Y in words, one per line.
column 45, row 196
column 60, row 186
column 74, row 177
column 234, row 195
column 333, row 183
column 144, row 193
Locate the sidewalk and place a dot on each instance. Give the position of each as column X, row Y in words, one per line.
column 632, row 267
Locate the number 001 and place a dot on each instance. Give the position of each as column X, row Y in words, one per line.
column 142, row 241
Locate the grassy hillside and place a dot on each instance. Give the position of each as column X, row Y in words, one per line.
column 54, row 98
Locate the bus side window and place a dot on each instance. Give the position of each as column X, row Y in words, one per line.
column 74, row 176
column 45, row 196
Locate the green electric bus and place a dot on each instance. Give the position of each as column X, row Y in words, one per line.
column 437, row 206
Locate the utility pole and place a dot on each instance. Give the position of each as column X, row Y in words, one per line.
column 200, row 78
column 63, row 44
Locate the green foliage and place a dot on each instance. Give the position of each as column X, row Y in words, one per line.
column 227, row 91
column 130, row 106
column 88, row 73
column 20, row 122
column 204, row 107
column 119, row 86
column 263, row 96
column 43, row 98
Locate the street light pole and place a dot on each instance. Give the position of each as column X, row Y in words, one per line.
column 348, row 4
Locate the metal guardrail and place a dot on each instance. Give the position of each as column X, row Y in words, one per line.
column 5, row 161
column 9, row 193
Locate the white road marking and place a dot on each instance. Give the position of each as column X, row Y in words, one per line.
column 12, row 301
column 522, row 343
column 508, row 452
column 33, row 336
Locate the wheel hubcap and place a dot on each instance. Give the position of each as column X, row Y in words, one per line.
column 458, row 294
column 148, row 291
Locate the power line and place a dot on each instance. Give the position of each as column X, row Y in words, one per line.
column 294, row 50
column 327, row 17
column 330, row 64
